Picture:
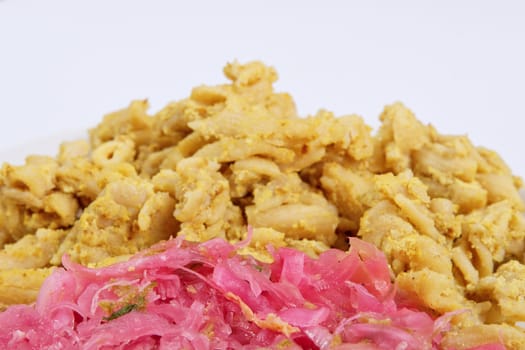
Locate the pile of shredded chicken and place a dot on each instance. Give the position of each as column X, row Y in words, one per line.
column 447, row 214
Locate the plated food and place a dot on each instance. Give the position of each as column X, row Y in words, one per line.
column 236, row 158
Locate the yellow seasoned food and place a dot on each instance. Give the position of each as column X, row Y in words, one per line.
column 447, row 214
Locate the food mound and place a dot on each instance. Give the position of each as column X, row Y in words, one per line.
column 447, row 216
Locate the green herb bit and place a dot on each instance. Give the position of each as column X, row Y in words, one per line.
column 126, row 309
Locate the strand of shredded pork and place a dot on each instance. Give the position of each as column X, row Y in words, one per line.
column 181, row 295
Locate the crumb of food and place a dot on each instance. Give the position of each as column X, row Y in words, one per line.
column 447, row 214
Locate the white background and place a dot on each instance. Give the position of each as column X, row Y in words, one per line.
column 459, row 65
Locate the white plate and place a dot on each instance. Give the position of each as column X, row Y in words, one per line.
column 45, row 146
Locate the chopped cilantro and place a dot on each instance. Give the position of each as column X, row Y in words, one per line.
column 126, row 309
